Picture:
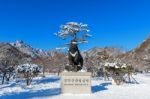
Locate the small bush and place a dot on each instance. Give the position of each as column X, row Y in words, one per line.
column 28, row 71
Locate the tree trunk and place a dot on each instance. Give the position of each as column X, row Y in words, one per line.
column 3, row 79
column 8, row 78
column 43, row 71
column 129, row 77
column 27, row 80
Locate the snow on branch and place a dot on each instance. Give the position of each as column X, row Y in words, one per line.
column 28, row 68
column 116, row 65
column 28, row 71
column 78, row 31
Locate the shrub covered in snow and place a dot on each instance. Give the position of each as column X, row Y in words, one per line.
column 117, row 71
column 28, row 71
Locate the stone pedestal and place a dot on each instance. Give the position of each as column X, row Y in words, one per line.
column 76, row 82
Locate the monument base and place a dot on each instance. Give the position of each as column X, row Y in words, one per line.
column 76, row 82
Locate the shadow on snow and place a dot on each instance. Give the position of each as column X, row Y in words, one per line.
column 48, row 80
column 33, row 94
column 9, row 85
column 47, row 92
column 100, row 87
column 44, row 80
column 37, row 94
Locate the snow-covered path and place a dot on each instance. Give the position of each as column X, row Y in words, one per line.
column 49, row 88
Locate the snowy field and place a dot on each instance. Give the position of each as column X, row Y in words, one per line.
column 49, row 88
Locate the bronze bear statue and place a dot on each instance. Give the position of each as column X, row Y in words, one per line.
column 75, row 58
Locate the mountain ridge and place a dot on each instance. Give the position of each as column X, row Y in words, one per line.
column 138, row 57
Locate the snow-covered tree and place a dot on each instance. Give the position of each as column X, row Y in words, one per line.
column 28, row 71
column 77, row 31
column 6, row 71
column 118, row 71
column 7, row 68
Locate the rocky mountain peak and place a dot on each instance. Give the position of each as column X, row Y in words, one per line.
column 145, row 46
column 29, row 50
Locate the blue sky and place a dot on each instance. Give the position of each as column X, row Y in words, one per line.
column 116, row 23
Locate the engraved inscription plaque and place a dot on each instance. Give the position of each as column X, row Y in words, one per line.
column 76, row 82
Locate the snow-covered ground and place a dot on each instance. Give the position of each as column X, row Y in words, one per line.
column 49, row 88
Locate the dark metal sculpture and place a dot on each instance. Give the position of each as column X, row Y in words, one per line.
column 75, row 58
column 79, row 33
